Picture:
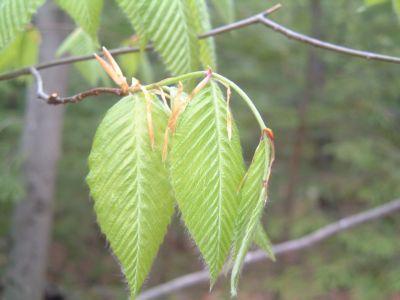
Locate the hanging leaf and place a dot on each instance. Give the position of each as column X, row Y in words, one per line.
column 80, row 43
column 134, row 10
column 86, row 14
column 14, row 16
column 262, row 240
column 253, row 195
column 226, row 8
column 201, row 24
column 129, row 185
column 23, row 51
column 172, row 26
column 206, row 169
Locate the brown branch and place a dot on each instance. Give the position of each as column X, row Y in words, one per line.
column 325, row 45
column 258, row 18
column 306, row 241
column 55, row 99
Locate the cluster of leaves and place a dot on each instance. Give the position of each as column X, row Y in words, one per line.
column 147, row 156
column 351, row 127
column 172, row 26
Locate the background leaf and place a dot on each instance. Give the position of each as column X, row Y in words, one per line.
column 14, row 16
column 80, row 43
column 129, row 185
column 23, row 51
column 86, row 14
column 253, row 195
column 202, row 156
column 136, row 64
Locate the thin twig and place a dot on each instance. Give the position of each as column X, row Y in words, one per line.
column 325, row 45
column 285, row 247
column 258, row 18
column 66, row 61
column 55, row 99
column 125, row 50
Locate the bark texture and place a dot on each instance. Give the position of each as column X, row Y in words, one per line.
column 41, row 145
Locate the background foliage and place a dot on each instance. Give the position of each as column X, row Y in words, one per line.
column 349, row 161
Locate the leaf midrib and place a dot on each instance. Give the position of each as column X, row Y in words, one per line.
column 137, row 130
column 218, row 134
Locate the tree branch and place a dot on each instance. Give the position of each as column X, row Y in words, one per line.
column 256, row 19
column 125, row 50
column 282, row 248
column 55, row 99
column 325, row 45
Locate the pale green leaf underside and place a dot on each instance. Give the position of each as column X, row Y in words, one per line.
column 253, row 195
column 172, row 26
column 80, row 43
column 14, row 16
column 86, row 14
column 262, row 240
column 130, row 187
column 206, row 169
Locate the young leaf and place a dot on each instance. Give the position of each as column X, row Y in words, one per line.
column 129, row 185
column 86, row 14
column 262, row 240
column 253, row 195
column 14, row 15
column 172, row 26
column 226, row 8
column 201, row 24
column 206, row 170
column 80, row 43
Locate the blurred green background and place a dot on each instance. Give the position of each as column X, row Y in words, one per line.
column 336, row 120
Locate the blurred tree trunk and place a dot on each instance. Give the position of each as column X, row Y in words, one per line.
column 314, row 80
column 41, row 140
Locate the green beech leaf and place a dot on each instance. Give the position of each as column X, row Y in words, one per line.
column 206, row 170
column 201, row 23
column 253, row 195
column 86, row 14
column 129, row 184
column 172, row 26
column 262, row 240
column 14, row 16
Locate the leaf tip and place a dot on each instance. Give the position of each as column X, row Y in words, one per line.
column 234, row 280
column 269, row 133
